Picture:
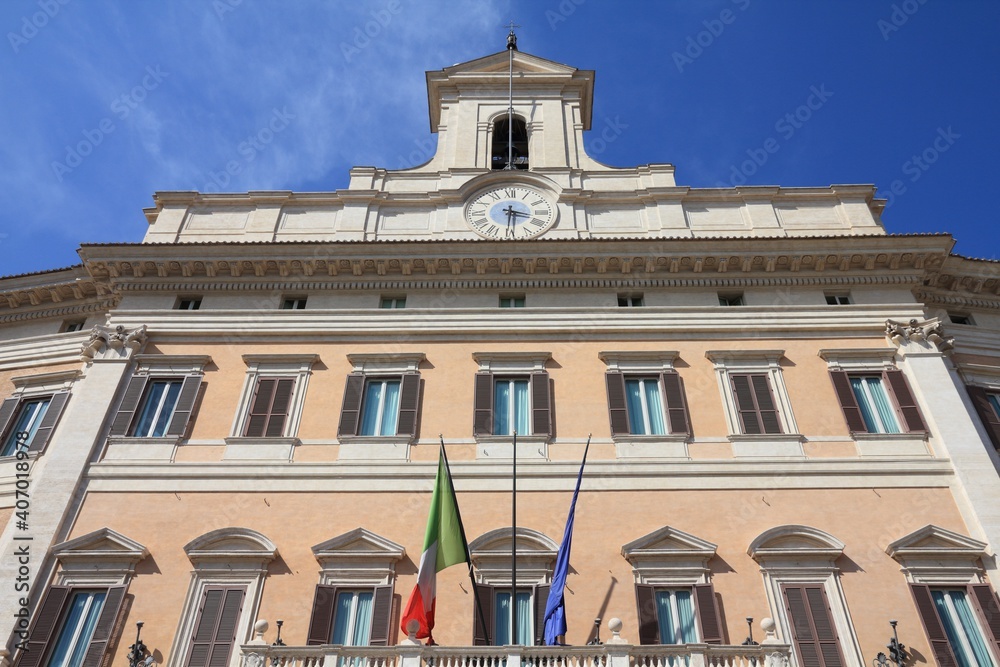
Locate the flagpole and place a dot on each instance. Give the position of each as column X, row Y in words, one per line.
column 513, row 542
column 468, row 556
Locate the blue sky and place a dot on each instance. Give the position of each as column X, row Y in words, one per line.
column 106, row 103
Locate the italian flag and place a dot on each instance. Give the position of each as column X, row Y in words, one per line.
column 444, row 546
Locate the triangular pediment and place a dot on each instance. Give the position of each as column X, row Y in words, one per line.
column 498, row 62
column 666, row 542
column 100, row 544
column 931, row 540
column 359, row 542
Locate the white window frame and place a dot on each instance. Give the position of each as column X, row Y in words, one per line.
column 873, row 361
column 784, row 445
column 389, row 365
column 297, row 366
column 155, row 367
column 795, row 554
column 33, row 387
column 231, row 557
column 510, row 365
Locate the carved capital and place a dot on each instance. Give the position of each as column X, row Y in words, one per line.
column 113, row 343
column 922, row 332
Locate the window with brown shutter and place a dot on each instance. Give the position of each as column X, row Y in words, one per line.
column 269, row 407
column 363, row 406
column 214, row 632
column 539, row 404
column 959, row 621
column 755, row 404
column 666, row 407
column 879, row 402
column 814, row 633
column 96, row 608
column 145, row 394
column 488, row 598
column 27, row 423
column 706, row 612
column 986, row 403
column 325, row 609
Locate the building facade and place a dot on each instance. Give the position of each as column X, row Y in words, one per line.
column 792, row 414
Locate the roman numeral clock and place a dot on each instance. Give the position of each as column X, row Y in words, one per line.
column 510, row 212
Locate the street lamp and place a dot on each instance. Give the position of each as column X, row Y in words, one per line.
column 897, row 652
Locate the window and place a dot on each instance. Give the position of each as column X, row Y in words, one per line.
column 629, row 300
column 353, row 602
column 987, row 403
column 838, row 299
column 958, row 611
column 514, row 136
column 221, row 604
column 380, row 406
column 731, row 299
column 215, row 631
column 73, row 325
column 78, row 616
column 636, row 404
column 294, row 303
column 26, row 423
column 512, row 301
column 674, row 596
column 271, row 403
column 877, row 402
column 805, row 595
column 85, row 621
column 491, row 556
column 351, row 616
column 393, row 302
column 961, row 318
column 156, row 407
column 755, row 403
column 507, row 404
column 678, row 615
column 189, row 303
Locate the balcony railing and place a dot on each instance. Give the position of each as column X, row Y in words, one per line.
column 607, row 655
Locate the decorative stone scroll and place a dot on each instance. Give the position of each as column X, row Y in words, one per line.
column 916, row 331
column 113, row 343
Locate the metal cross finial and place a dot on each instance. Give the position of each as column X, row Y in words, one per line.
column 511, row 37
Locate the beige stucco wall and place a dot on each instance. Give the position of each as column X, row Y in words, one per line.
column 874, row 587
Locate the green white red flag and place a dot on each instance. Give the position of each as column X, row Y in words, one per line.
column 444, row 546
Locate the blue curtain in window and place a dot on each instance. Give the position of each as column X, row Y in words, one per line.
column 352, row 619
column 77, row 630
column 633, row 397
column 511, row 407
column 390, row 411
column 885, row 410
column 655, row 407
column 521, row 412
column 961, row 625
column 524, row 632
column 675, row 614
column 381, row 396
column 876, row 409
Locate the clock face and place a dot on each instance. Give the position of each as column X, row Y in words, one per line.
column 510, row 212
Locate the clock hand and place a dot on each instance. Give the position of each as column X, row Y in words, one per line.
column 510, row 219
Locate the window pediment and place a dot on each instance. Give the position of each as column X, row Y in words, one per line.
column 105, row 551
column 358, row 556
column 936, row 555
column 536, row 554
column 669, row 556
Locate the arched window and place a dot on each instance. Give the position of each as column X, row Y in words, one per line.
column 519, row 139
